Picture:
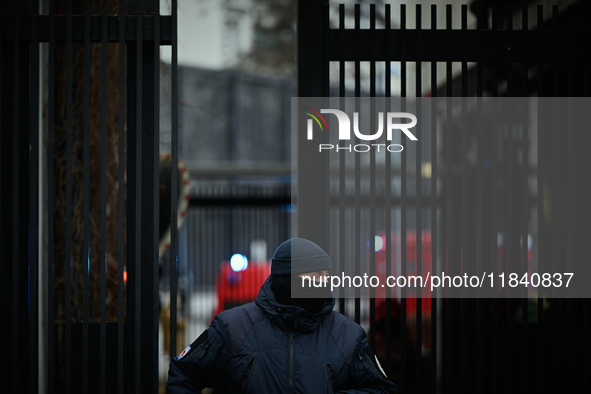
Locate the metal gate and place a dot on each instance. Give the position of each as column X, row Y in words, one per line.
column 78, row 177
column 79, row 140
column 507, row 50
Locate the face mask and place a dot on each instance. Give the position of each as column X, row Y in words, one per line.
column 282, row 286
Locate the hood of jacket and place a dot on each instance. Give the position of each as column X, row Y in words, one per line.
column 289, row 317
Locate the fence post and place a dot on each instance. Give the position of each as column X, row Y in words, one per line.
column 312, row 169
column 143, row 139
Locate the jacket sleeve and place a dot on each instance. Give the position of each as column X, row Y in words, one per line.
column 200, row 365
column 366, row 375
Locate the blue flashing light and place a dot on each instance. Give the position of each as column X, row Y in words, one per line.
column 238, row 262
column 378, row 243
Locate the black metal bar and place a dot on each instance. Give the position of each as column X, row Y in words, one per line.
column 480, row 239
column 494, row 209
column 121, row 370
column 434, row 229
column 372, row 189
column 525, row 221
column 541, row 228
column 16, row 301
column 33, row 353
column 324, row 218
column 5, row 330
column 155, row 177
column 85, row 257
column 403, row 191
column 586, row 214
column 311, row 83
column 357, row 239
column 50, row 199
column 142, row 250
column 114, row 27
column 68, row 256
column 3, row 275
column 419, row 219
column 134, row 126
column 509, row 246
column 135, row 275
column 448, row 232
column 388, row 209
column 282, row 199
column 572, row 246
column 556, row 193
column 464, row 304
column 342, row 163
column 103, row 247
column 529, row 43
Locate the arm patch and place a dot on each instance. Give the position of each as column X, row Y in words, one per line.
column 202, row 338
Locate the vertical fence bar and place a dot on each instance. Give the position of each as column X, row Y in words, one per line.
column 34, row 115
column 174, row 260
column 464, row 303
column 540, row 205
column 403, row 224
column 145, row 137
column 137, row 184
column 372, row 183
column 555, row 216
column 103, row 248
column 480, row 304
column 155, row 196
column 2, row 176
column 448, row 207
column 586, row 214
column 85, row 258
column 342, row 190
column 494, row 207
column 68, row 256
column 50, row 198
column 525, row 214
column 510, row 247
column 572, row 255
column 2, row 141
column 357, row 239
column 135, row 100
column 15, row 198
column 121, row 212
column 388, row 203
column 419, row 216
column 312, row 82
column 434, row 196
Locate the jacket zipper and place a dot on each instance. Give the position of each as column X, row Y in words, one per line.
column 199, row 353
column 368, row 366
column 291, row 363
column 251, row 363
column 329, row 372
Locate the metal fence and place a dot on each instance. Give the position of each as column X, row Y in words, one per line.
column 507, row 50
column 79, row 142
column 79, row 170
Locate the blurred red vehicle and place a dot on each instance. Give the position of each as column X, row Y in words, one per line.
column 238, row 285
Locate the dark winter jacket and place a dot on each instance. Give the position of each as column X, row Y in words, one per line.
column 264, row 347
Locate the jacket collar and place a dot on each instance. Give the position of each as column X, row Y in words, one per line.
column 289, row 317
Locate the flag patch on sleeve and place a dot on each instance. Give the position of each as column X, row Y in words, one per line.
column 184, row 352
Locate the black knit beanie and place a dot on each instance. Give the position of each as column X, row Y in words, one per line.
column 299, row 256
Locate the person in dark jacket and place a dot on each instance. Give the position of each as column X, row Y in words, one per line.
column 283, row 344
